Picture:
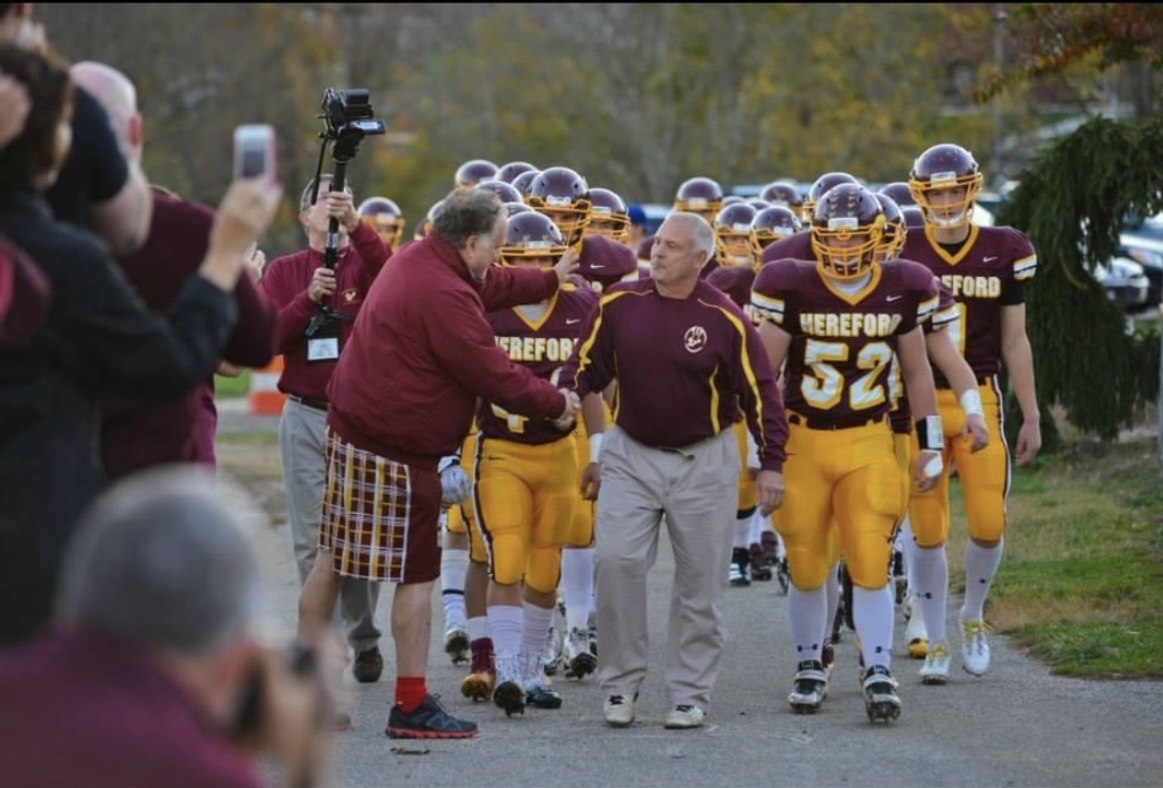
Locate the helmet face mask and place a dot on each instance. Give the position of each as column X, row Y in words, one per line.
column 609, row 216
column 895, row 231
column 847, row 231
column 532, row 240
column 564, row 196
column 945, row 181
column 732, row 228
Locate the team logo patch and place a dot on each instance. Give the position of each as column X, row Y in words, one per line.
column 695, row 339
column 350, row 295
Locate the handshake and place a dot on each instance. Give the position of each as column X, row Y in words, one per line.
column 566, row 420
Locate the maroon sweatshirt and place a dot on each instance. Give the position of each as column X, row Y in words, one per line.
column 422, row 352
column 286, row 280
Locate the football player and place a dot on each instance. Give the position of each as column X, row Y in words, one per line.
column 837, row 322
column 986, row 268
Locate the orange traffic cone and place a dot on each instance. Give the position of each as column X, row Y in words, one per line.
column 264, row 398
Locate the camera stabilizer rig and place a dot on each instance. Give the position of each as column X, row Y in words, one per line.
column 347, row 118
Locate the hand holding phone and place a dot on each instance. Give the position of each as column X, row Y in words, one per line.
column 255, row 151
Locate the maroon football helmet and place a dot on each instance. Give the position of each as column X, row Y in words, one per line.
column 514, row 208
column 385, row 217
column 899, row 191
column 610, row 216
column 820, row 186
column 913, row 216
column 473, row 172
column 507, row 172
column 733, row 235
column 523, row 181
column 732, row 199
column 532, row 235
column 946, row 168
column 847, row 230
column 785, row 194
column 895, row 230
column 699, row 195
column 771, row 224
column 564, row 196
column 503, row 190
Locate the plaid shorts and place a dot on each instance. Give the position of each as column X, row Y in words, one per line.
column 380, row 517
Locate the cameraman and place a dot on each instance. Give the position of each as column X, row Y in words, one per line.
column 301, row 285
column 145, row 675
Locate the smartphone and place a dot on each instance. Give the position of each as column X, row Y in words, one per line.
column 254, row 151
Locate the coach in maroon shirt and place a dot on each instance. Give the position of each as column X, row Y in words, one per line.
column 402, row 398
column 686, row 360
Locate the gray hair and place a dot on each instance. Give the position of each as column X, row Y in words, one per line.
column 465, row 213
column 161, row 559
column 704, row 234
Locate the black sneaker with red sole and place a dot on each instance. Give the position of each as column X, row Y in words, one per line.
column 429, row 720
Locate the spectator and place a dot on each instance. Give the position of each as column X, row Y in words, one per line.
column 402, row 400
column 136, row 435
column 97, row 188
column 98, row 341
column 300, row 284
column 25, row 296
column 673, row 455
column 146, row 675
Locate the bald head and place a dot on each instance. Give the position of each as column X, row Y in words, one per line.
column 117, row 95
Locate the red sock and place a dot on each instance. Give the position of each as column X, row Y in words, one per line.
column 410, row 692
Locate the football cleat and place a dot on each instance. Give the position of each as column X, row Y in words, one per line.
column 975, row 646
column 936, row 667
column 809, row 688
column 880, row 698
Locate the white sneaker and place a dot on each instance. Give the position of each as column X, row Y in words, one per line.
column 975, row 646
column 936, row 667
column 579, row 662
column 685, row 716
column 456, row 645
column 917, row 636
column 619, row 711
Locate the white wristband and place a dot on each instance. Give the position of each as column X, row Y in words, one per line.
column 596, row 447
column 930, row 434
column 971, row 403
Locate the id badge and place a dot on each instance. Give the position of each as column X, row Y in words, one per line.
column 322, row 349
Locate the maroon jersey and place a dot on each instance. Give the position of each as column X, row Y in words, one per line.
column 684, row 368
column 793, row 247
column 604, row 261
column 985, row 273
column 901, row 416
column 543, row 345
column 837, row 369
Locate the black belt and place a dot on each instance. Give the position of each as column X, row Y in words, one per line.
column 981, row 381
column 314, row 404
column 818, row 424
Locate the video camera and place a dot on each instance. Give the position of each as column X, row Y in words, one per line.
column 348, row 118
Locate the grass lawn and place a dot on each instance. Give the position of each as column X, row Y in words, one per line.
column 225, row 387
column 1081, row 582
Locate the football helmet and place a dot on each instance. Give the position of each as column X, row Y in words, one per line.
column 758, row 203
column 514, row 208
column 785, row 194
column 507, row 172
column 523, row 181
column 771, row 224
column 847, row 230
column 610, row 216
column 385, row 217
column 899, row 191
column 503, row 190
column 914, row 217
column 820, row 186
column 474, row 171
column 895, row 230
column 564, row 196
column 425, row 227
column 946, row 168
column 700, row 195
column 532, row 235
column 733, row 235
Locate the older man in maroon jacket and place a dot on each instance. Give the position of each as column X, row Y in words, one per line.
column 402, row 400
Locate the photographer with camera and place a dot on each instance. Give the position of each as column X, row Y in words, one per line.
column 317, row 309
column 150, row 675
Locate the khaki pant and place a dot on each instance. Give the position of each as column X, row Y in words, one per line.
column 696, row 490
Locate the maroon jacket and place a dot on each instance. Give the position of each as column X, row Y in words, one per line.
column 286, row 280
column 25, row 296
column 87, row 708
column 423, row 351
column 136, row 434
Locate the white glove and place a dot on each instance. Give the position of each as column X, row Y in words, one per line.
column 455, row 486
